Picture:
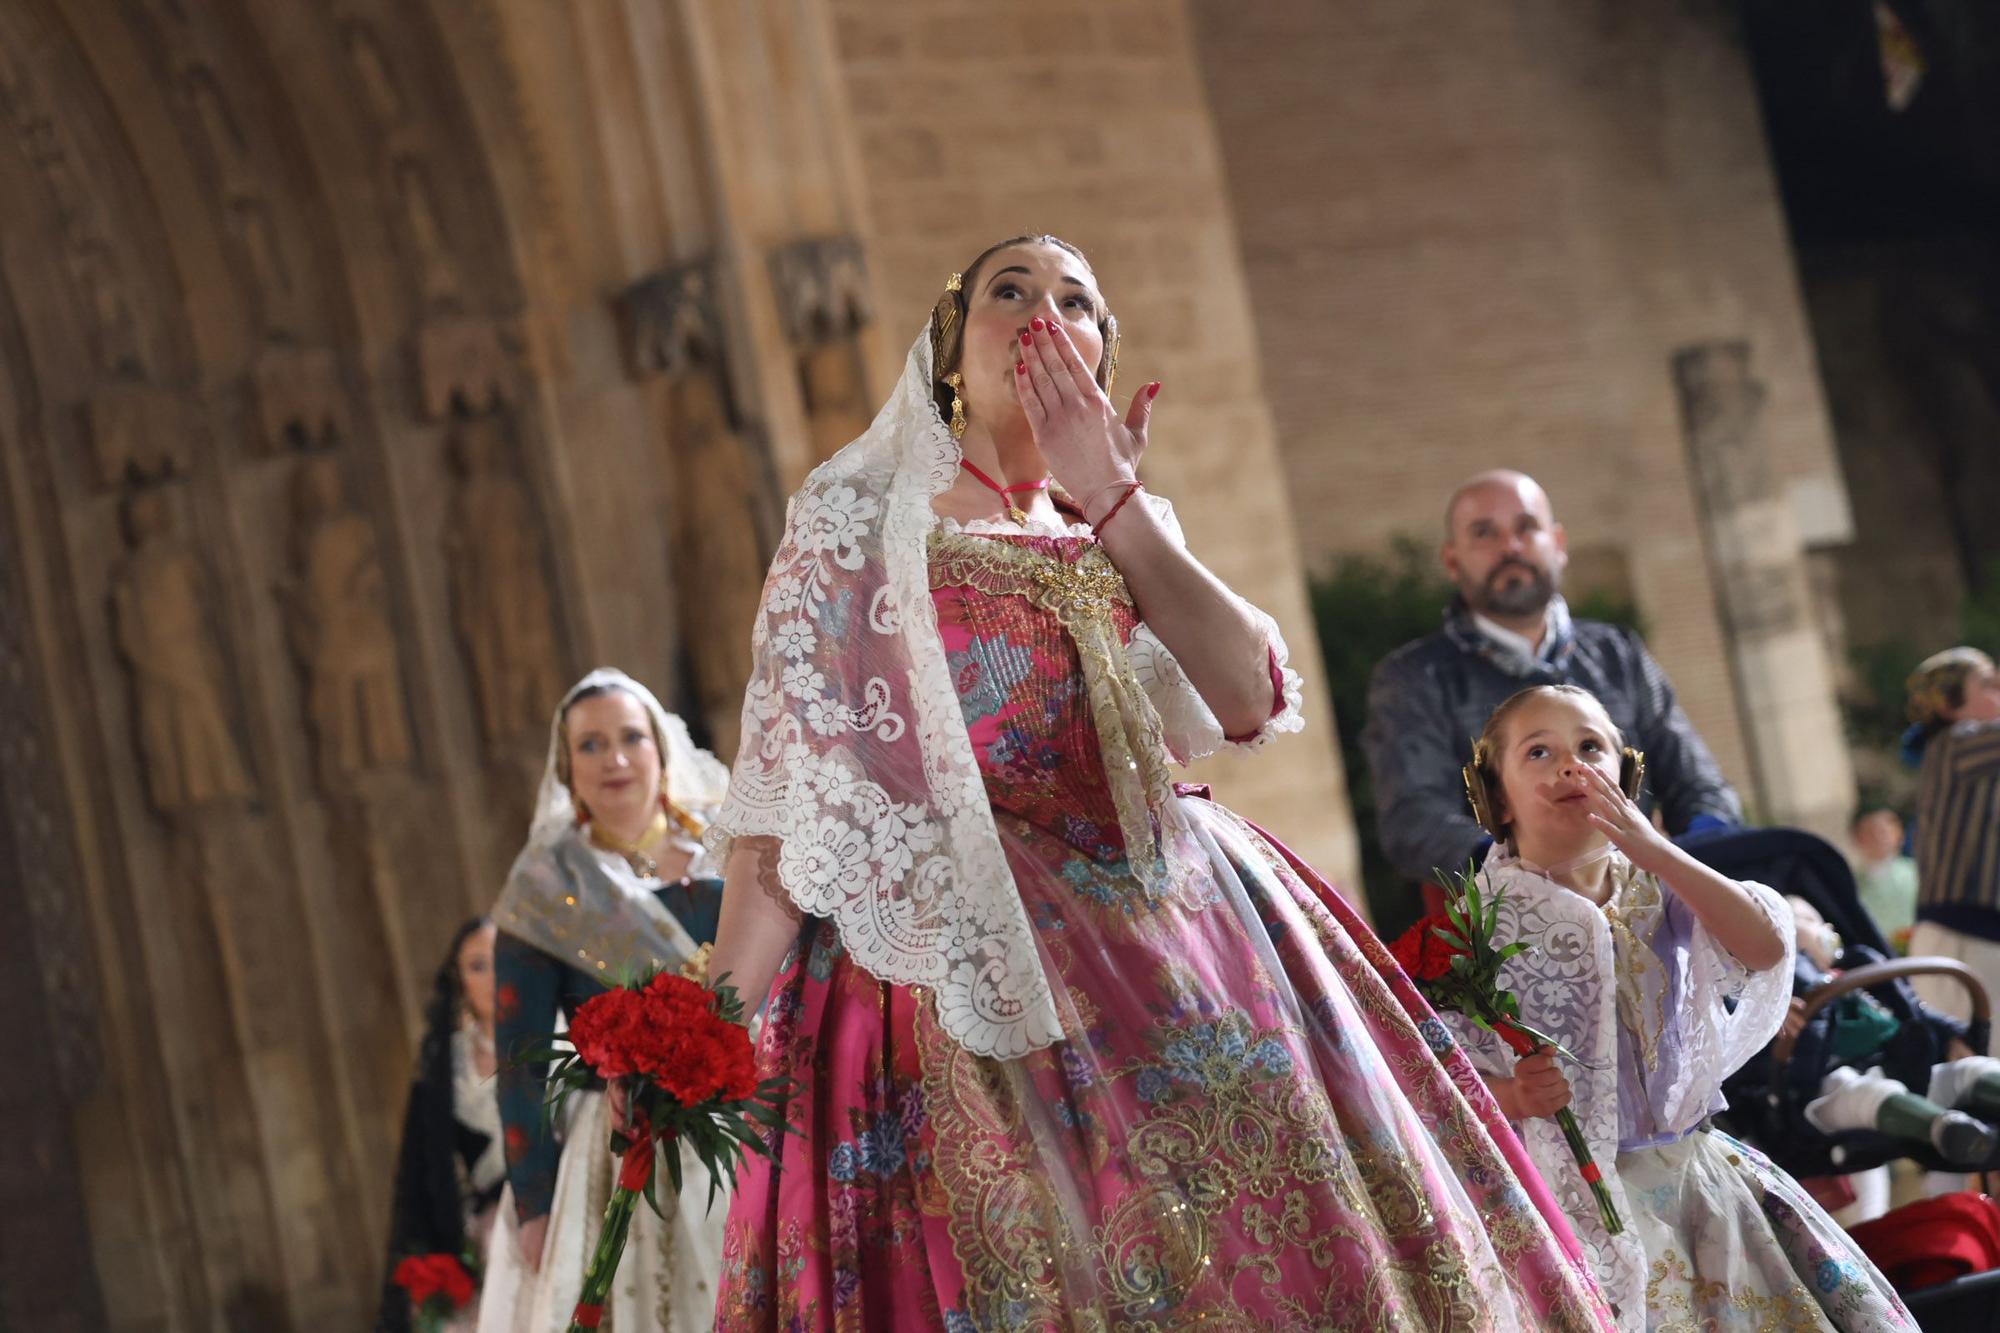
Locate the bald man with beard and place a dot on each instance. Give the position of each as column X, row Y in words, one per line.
column 1509, row 628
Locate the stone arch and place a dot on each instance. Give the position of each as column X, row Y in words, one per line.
column 289, row 295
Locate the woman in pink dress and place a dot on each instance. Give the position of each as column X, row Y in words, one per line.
column 1075, row 1048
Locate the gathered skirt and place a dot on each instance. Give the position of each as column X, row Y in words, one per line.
column 1253, row 1122
column 667, row 1279
column 1733, row 1243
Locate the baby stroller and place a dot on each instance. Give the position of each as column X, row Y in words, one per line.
column 1768, row 1096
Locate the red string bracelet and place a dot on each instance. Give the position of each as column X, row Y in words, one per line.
column 1131, row 490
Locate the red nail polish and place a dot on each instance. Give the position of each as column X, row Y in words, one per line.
column 1026, row 338
column 1037, row 323
column 1020, row 367
column 1154, row 392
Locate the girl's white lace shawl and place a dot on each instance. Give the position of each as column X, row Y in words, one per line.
column 1694, row 1015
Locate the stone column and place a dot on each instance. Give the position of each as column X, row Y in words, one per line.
column 1784, row 677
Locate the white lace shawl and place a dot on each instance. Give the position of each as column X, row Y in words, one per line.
column 1694, row 1014
column 587, row 907
column 855, row 755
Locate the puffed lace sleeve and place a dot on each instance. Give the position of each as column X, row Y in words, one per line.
column 1726, row 1012
column 1186, row 721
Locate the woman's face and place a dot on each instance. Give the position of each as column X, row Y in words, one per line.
column 614, row 761
column 475, row 974
column 1549, row 742
column 1013, row 287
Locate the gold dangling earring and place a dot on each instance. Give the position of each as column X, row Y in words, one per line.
column 957, row 382
column 582, row 810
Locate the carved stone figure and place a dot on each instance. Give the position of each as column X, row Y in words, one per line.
column 160, row 618
column 426, row 233
column 822, row 290
column 835, row 397
column 340, row 629
column 500, row 600
column 719, row 551
column 1722, row 406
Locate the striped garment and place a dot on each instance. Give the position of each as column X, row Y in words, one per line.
column 1958, row 830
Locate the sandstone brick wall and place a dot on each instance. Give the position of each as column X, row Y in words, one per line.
column 975, row 122
column 1474, row 235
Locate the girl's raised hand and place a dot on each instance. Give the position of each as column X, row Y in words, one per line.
column 1621, row 820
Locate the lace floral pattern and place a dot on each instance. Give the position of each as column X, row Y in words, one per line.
column 855, row 755
column 1659, row 1013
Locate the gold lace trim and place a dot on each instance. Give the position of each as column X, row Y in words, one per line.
column 1634, row 906
column 1697, row 1303
column 1083, row 596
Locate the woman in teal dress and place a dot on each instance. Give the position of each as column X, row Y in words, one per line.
column 613, row 880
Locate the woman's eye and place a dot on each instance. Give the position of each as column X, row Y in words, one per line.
column 1081, row 303
column 589, row 747
column 1006, row 289
column 1591, row 747
column 1538, row 752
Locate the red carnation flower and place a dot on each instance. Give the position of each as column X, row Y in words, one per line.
column 427, row 1276
column 1422, row 954
column 678, row 1070
column 605, row 1032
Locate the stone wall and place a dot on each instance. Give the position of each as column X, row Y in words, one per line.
column 1478, row 236
column 1091, row 122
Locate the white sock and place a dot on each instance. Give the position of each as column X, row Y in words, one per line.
column 1850, row 1099
column 1953, row 1079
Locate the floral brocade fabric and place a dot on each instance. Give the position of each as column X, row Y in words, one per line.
column 1252, row 1121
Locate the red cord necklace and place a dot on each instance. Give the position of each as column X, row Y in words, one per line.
column 1006, row 493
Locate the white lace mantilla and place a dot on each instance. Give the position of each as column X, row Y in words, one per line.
column 855, row 755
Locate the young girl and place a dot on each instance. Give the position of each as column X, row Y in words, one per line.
column 1661, row 977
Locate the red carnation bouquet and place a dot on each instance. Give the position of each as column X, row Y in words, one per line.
column 438, row 1285
column 1451, row 958
column 683, row 1057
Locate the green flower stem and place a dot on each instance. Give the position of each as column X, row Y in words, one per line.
column 610, row 1248
column 1607, row 1211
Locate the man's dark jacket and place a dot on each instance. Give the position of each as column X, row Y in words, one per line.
column 1429, row 700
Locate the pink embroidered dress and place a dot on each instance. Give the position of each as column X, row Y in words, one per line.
column 1247, row 1118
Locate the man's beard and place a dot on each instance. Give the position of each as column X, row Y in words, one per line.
column 1528, row 597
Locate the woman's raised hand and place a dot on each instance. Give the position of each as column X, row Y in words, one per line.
column 1087, row 447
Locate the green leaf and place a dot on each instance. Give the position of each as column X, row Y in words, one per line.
column 652, row 1201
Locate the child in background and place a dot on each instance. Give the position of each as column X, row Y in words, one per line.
column 1661, row 977
column 1886, row 877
